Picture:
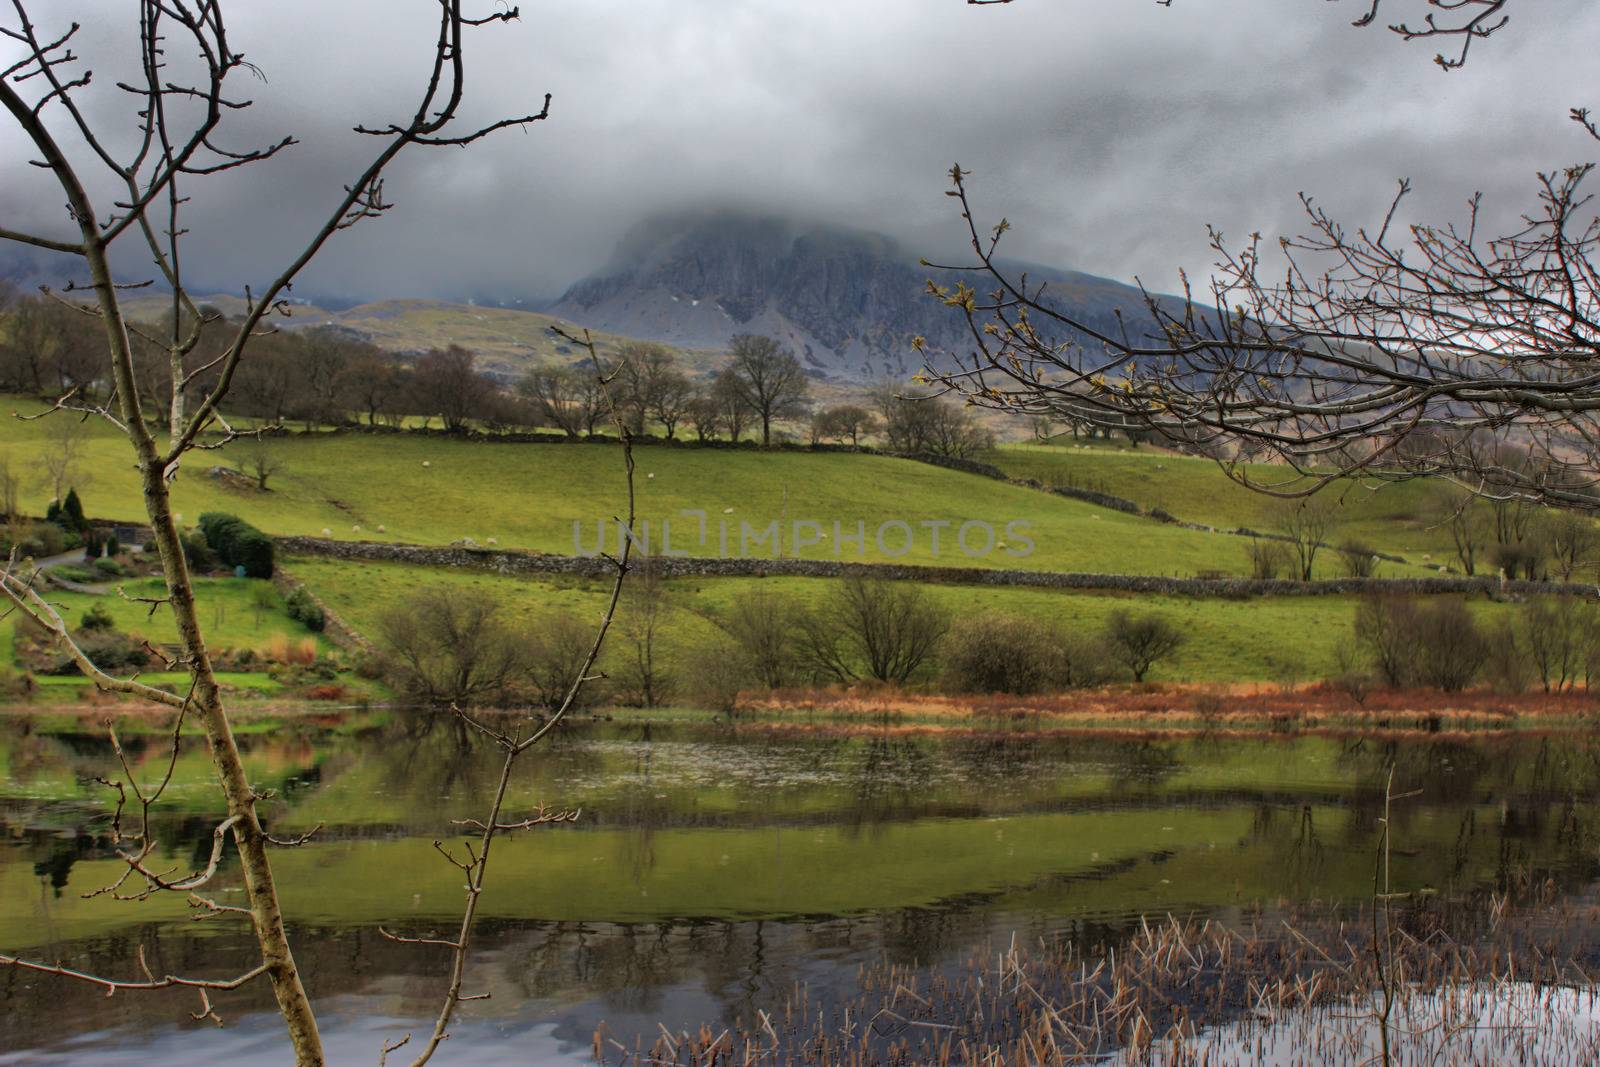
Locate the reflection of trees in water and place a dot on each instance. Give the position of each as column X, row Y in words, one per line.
column 1459, row 770
column 56, row 867
column 738, row 966
column 890, row 774
column 1293, row 844
column 1145, row 764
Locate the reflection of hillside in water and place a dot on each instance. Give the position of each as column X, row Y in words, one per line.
column 714, row 869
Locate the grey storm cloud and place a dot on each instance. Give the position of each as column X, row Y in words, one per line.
column 1109, row 131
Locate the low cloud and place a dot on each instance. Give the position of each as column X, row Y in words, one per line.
column 1109, row 131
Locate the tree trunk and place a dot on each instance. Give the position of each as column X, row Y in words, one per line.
column 266, row 917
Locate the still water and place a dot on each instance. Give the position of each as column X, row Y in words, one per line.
column 714, row 868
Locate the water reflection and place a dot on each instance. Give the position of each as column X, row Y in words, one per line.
column 714, row 868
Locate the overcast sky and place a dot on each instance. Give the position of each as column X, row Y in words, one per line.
column 1109, row 131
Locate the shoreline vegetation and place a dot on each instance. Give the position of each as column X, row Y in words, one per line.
column 1149, row 710
column 1270, row 988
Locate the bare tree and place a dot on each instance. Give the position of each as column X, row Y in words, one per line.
column 370, row 383
column 1560, row 634
column 670, row 398
column 849, row 422
column 1268, row 557
column 566, row 396
column 1306, row 525
column 649, row 383
column 645, row 608
column 1386, row 631
column 1139, row 642
column 767, row 379
column 1359, row 558
column 1572, row 539
column 556, row 654
column 761, row 625
column 728, row 396
column 445, row 382
column 450, row 647
column 1451, row 651
column 1460, row 512
column 705, row 416
column 952, row 431
column 62, row 461
column 184, row 89
column 38, row 331
column 869, row 628
column 261, row 457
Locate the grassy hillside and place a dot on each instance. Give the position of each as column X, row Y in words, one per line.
column 1393, row 517
column 507, row 341
column 434, row 491
column 236, row 613
column 1288, row 638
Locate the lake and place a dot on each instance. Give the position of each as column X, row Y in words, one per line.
column 714, row 869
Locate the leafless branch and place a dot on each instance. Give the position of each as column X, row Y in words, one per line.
column 1433, row 352
column 180, row 100
column 513, row 745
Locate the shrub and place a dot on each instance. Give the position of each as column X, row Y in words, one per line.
column 1084, row 661
column 113, row 546
column 446, row 646
column 1000, row 653
column 1450, row 648
column 109, row 567
column 555, row 654
column 716, row 674
column 1359, row 558
column 253, row 551
column 1560, row 635
column 97, row 618
column 43, row 539
column 197, row 551
column 874, row 629
column 1505, row 664
column 760, row 623
column 72, row 513
column 303, row 608
column 1385, row 632
column 1268, row 558
column 1139, row 642
column 105, row 648
column 238, row 544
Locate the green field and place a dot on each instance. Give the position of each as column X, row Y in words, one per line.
column 434, row 491
column 1267, row 639
column 231, row 616
column 1393, row 517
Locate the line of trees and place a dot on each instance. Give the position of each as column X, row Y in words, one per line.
column 1407, row 642
column 326, row 377
column 451, row 646
column 1516, row 537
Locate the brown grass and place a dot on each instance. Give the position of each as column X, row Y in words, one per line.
column 1151, row 709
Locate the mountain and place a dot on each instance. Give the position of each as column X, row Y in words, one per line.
column 847, row 302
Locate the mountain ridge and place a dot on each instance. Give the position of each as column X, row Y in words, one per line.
column 849, row 302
